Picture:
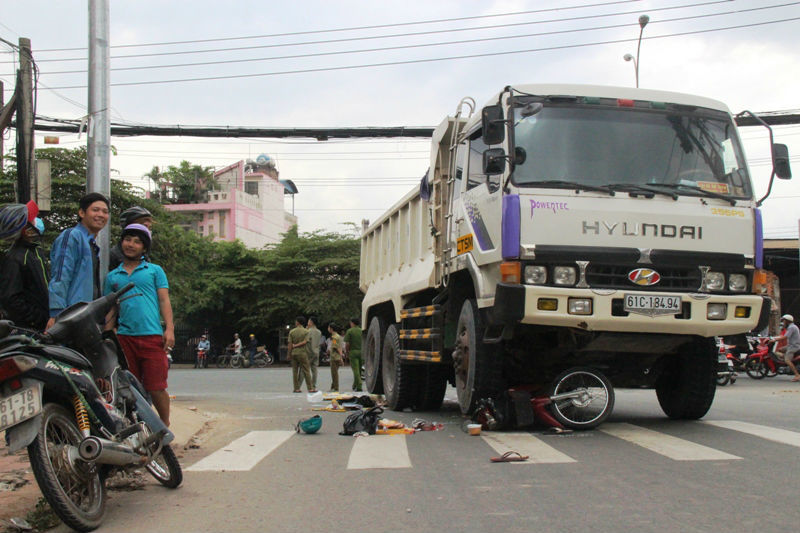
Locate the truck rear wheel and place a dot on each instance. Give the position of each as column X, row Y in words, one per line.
column 372, row 355
column 433, row 385
column 398, row 375
column 686, row 387
column 478, row 374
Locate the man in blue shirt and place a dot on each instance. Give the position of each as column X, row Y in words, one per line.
column 140, row 334
column 74, row 257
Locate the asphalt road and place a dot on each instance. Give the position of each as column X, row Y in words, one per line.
column 639, row 471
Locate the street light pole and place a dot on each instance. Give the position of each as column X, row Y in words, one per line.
column 643, row 20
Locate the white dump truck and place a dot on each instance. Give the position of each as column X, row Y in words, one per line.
column 567, row 239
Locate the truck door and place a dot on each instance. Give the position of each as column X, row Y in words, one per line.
column 477, row 213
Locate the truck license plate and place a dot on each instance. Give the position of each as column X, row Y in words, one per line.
column 20, row 406
column 652, row 304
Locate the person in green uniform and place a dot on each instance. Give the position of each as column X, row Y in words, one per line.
column 298, row 338
column 336, row 355
column 352, row 342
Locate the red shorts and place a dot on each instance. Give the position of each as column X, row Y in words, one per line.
column 147, row 360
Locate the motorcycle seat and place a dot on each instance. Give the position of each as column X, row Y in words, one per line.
column 70, row 357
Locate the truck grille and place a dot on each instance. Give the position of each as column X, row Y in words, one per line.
column 616, row 277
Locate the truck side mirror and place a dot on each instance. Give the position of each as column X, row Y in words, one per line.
column 494, row 161
column 493, row 126
column 780, row 157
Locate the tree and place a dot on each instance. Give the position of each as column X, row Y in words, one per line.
column 184, row 184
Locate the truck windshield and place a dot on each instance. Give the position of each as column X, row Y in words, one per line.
column 687, row 153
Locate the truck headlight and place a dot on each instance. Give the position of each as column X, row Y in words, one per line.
column 737, row 282
column 717, row 311
column 715, row 281
column 563, row 275
column 579, row 306
column 535, row 275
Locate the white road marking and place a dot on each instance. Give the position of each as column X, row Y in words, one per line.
column 782, row 436
column 666, row 445
column 379, row 451
column 243, row 453
column 525, row 444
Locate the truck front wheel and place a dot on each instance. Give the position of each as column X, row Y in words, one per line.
column 372, row 355
column 686, row 387
column 478, row 374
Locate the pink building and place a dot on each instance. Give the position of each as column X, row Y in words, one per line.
column 248, row 205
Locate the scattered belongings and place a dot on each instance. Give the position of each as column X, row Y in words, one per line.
column 309, row 425
column 509, row 457
column 474, row 429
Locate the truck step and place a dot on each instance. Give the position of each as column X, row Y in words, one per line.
column 414, row 334
column 428, row 310
column 420, row 356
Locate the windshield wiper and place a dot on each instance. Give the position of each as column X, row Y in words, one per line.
column 565, row 184
column 639, row 189
column 704, row 192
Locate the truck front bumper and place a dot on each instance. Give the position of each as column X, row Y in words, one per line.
column 550, row 306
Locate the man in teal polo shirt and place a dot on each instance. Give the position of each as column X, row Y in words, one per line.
column 140, row 312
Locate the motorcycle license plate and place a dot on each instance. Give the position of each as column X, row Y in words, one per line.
column 652, row 304
column 20, row 406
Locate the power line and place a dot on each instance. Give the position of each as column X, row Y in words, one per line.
column 353, row 28
column 423, row 45
column 437, row 59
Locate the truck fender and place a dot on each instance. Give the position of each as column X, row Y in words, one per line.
column 482, row 288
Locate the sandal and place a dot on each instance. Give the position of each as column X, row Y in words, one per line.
column 796, row 378
column 509, row 457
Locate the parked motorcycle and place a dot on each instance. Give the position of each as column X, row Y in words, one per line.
column 67, row 395
column 261, row 359
column 726, row 364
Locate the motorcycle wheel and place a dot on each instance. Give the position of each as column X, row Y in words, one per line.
column 261, row 361
column 593, row 402
column 236, row 362
column 755, row 368
column 723, row 380
column 269, row 359
column 166, row 468
column 74, row 489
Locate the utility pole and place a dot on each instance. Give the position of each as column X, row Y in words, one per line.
column 2, row 104
column 99, row 131
column 25, row 160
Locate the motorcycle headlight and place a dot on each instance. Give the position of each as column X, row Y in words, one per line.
column 535, row 275
column 564, row 275
column 715, row 281
column 737, row 282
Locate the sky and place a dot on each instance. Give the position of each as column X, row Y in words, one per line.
column 347, row 63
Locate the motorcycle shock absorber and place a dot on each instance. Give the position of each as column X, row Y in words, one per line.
column 81, row 416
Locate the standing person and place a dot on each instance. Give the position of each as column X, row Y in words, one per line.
column 352, row 342
column 252, row 347
column 298, row 338
column 75, row 259
column 792, row 337
column 132, row 215
column 23, row 293
column 237, row 344
column 335, row 355
column 314, row 340
column 143, row 340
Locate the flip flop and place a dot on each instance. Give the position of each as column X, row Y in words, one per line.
column 795, row 379
column 509, row 457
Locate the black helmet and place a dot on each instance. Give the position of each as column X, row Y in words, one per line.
column 13, row 218
column 132, row 214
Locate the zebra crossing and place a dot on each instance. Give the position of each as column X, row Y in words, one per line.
column 392, row 451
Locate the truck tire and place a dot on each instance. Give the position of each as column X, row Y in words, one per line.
column 372, row 355
column 433, row 383
column 686, row 387
column 478, row 373
column 399, row 377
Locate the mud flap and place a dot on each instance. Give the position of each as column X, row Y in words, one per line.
column 21, row 435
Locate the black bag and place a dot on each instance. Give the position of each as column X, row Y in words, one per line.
column 363, row 420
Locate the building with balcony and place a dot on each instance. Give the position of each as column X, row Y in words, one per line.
column 248, row 205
